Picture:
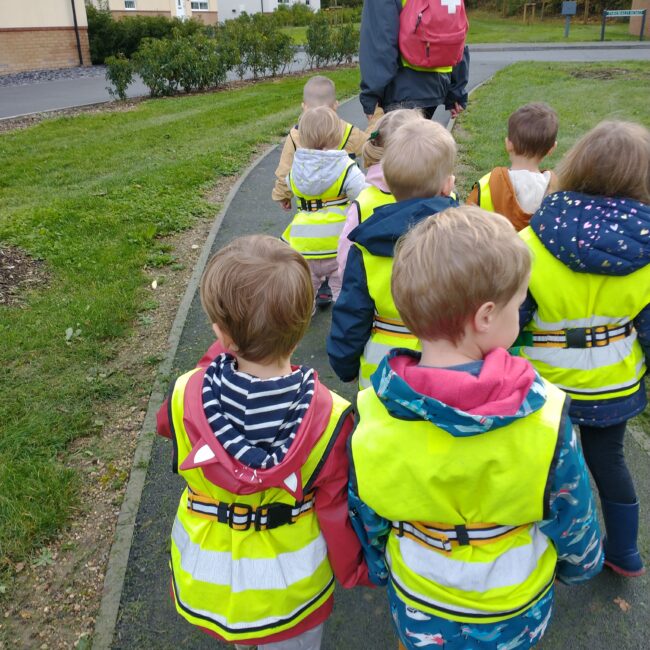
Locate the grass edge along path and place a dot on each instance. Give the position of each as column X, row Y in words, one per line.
column 92, row 196
column 583, row 94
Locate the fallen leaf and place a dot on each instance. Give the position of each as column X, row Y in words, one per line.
column 23, row 613
column 19, row 567
column 194, row 246
column 154, row 284
column 623, row 604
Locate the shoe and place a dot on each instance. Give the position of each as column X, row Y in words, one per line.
column 324, row 296
column 622, row 526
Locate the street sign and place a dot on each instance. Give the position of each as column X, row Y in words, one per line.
column 622, row 13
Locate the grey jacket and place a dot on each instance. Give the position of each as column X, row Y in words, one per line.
column 385, row 81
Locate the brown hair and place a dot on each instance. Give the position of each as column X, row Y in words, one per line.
column 418, row 159
column 532, row 130
column 613, row 159
column 320, row 128
column 258, row 290
column 319, row 91
column 450, row 264
column 373, row 148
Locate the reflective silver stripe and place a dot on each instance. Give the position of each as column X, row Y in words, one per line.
column 487, row 532
column 509, row 569
column 583, row 358
column 610, row 388
column 569, row 323
column 318, row 253
column 317, row 230
column 219, row 567
column 374, row 352
column 444, row 545
column 390, row 328
column 593, row 335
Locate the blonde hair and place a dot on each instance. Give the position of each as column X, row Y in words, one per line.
column 258, row 290
column 373, row 148
column 532, row 130
column 319, row 91
column 320, row 128
column 450, row 264
column 418, row 159
column 613, row 159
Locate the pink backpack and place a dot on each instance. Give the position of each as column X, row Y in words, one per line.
column 432, row 33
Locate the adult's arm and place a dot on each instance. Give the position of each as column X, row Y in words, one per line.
column 457, row 93
column 642, row 327
column 378, row 50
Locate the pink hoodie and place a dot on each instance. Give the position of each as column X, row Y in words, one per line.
column 375, row 176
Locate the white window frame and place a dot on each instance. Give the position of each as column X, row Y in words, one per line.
column 129, row 5
column 197, row 5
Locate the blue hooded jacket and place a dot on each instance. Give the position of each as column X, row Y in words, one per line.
column 603, row 236
column 354, row 310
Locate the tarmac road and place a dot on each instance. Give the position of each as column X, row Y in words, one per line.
column 586, row 617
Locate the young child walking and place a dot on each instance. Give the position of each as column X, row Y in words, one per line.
column 318, row 91
column 324, row 180
column 377, row 193
column 587, row 319
column 516, row 192
column 483, row 497
column 418, row 166
column 262, row 527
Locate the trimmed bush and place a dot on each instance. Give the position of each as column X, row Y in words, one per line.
column 119, row 73
column 345, row 43
column 319, row 47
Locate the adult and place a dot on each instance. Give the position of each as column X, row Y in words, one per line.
column 387, row 82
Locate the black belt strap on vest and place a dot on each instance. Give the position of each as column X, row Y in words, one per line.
column 462, row 536
column 310, row 205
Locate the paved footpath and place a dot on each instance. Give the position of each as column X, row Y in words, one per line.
column 586, row 617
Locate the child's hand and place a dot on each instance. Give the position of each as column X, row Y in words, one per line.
column 456, row 110
column 285, row 204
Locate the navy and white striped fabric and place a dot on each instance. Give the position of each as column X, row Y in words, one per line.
column 255, row 420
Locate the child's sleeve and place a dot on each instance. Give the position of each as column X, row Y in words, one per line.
column 351, row 222
column 457, row 92
column 343, row 547
column 472, row 199
column 281, row 190
column 642, row 327
column 527, row 310
column 372, row 531
column 573, row 523
column 352, row 318
column 355, row 181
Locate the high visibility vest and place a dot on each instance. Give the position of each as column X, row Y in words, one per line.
column 485, row 194
column 347, row 131
column 388, row 330
column 370, row 199
column 235, row 579
column 582, row 337
column 452, row 553
column 315, row 230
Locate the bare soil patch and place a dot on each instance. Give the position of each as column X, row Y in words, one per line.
column 18, row 272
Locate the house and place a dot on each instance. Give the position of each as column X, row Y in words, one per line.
column 43, row 34
column 234, row 8
column 204, row 10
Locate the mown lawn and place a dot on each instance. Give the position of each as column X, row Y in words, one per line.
column 91, row 195
column 582, row 94
column 485, row 27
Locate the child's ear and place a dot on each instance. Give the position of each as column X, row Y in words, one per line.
column 335, row 106
column 303, row 106
column 225, row 338
column 483, row 317
column 551, row 150
column 448, row 187
column 509, row 146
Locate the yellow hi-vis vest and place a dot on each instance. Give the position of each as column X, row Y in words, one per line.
column 485, row 193
column 581, row 337
column 314, row 231
column 237, row 581
column 370, row 199
column 464, row 542
column 388, row 330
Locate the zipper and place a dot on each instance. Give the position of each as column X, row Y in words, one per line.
column 419, row 20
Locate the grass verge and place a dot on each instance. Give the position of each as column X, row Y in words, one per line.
column 92, row 196
column 582, row 94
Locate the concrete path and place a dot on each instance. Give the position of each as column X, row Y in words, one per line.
column 66, row 93
column 586, row 617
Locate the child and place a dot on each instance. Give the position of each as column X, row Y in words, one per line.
column 377, row 194
column 324, row 180
column 517, row 192
column 262, row 445
column 483, row 498
column 318, row 91
column 587, row 320
column 418, row 166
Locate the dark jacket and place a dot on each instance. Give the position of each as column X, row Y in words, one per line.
column 354, row 310
column 603, row 236
column 385, row 81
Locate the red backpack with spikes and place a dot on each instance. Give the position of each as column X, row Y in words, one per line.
column 432, row 33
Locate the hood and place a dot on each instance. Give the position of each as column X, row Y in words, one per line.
column 389, row 222
column 595, row 234
column 314, row 171
column 375, row 176
column 251, row 434
column 463, row 400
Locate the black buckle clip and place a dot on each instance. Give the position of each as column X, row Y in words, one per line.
column 277, row 514
column 577, row 337
column 462, row 536
column 232, row 514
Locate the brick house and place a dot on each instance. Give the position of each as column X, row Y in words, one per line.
column 204, row 10
column 43, row 34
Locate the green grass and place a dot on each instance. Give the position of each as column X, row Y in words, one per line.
column 487, row 27
column 91, row 195
column 582, row 94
